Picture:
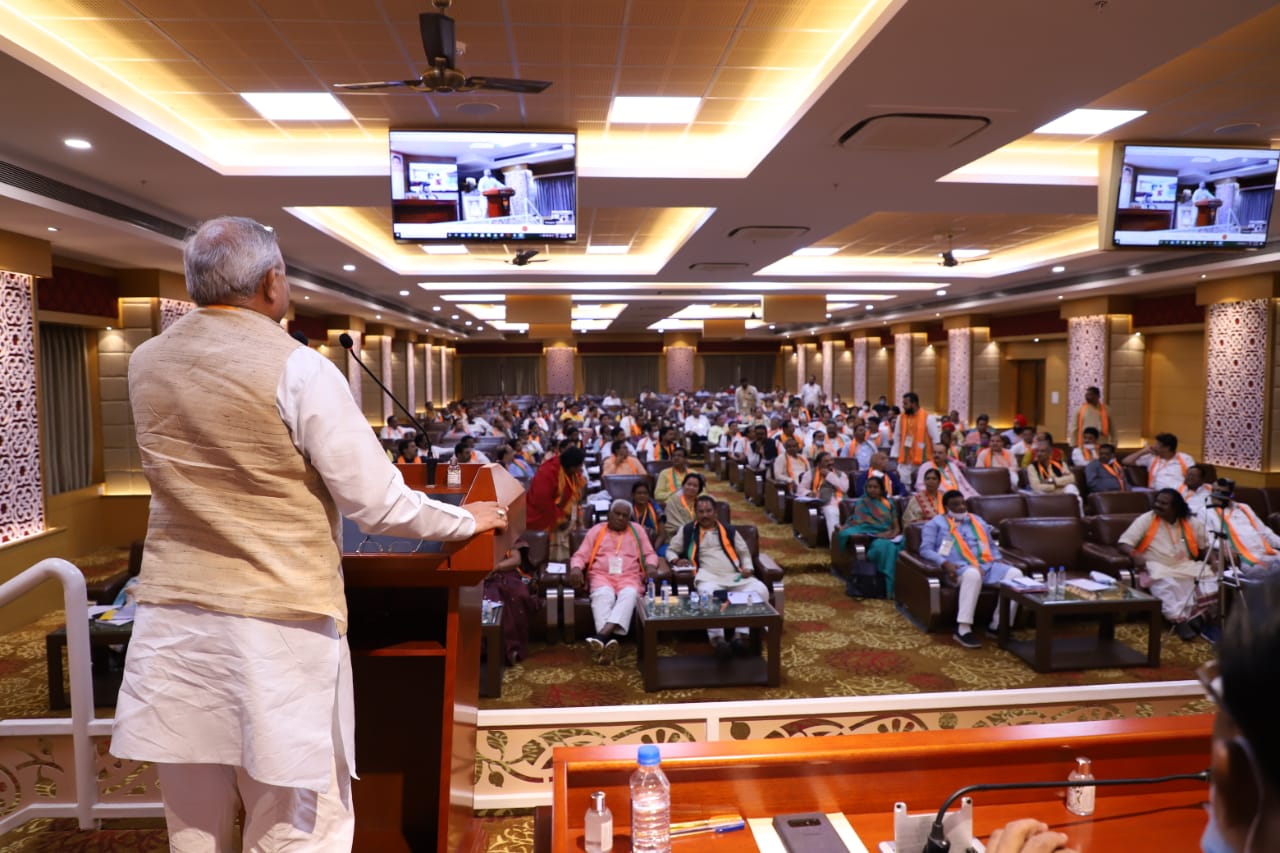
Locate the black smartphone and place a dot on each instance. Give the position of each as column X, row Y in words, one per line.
column 808, row 833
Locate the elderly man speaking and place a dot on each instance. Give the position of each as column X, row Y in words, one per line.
column 614, row 554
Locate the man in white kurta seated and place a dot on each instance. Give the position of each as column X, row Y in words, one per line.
column 722, row 561
column 951, row 471
column 1047, row 477
column 1165, row 544
column 1235, row 529
column 828, row 485
column 1166, row 467
column 1197, row 487
column 790, row 465
column 614, row 555
column 959, row 542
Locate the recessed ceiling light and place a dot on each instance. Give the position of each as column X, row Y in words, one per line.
column 937, row 313
column 1059, row 296
column 377, row 316
column 435, row 307
column 815, row 251
column 1204, row 275
column 870, row 307
column 1059, row 268
column 466, row 323
column 349, row 268
column 404, row 293
column 828, row 316
column 297, row 106
column 965, row 254
column 268, row 228
column 1089, row 122
column 446, row 249
column 1035, row 340
column 78, row 144
column 453, row 316
column 940, row 292
column 772, row 327
column 54, row 228
column 603, row 249
column 306, row 297
column 637, row 110
column 108, row 328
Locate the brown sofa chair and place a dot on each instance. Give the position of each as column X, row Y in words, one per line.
column 1055, row 505
column 1037, row 544
column 989, row 481
column 1104, row 532
column 924, row 595
column 620, row 485
column 777, row 501
column 994, row 509
column 753, row 486
column 1117, row 503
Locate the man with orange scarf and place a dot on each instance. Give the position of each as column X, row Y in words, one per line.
column 960, row 544
column 1092, row 413
column 915, row 433
column 1256, row 546
column 1164, row 544
column 554, row 495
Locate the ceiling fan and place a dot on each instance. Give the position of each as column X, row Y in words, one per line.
column 949, row 259
column 442, row 77
column 524, row 257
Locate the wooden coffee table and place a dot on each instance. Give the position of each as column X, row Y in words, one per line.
column 703, row 668
column 1050, row 653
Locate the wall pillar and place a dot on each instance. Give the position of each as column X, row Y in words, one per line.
column 1104, row 351
column 560, row 366
column 859, row 370
column 1240, row 392
column 908, row 341
column 22, row 487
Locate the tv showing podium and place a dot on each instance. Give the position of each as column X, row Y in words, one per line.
column 414, row 632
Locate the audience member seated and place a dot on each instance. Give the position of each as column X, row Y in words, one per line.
column 1165, row 544
column 960, row 543
column 1255, row 547
column 1244, row 755
column 1166, row 467
column 1197, row 486
column 406, row 451
column 648, row 515
column 553, row 498
column 789, row 467
column 670, row 479
column 874, row 515
column 762, row 451
column 614, row 555
column 980, row 435
column 1046, row 477
column 722, row 561
column 828, row 485
column 1105, row 474
column 1087, row 450
column 879, row 467
column 998, row 455
column 393, row 431
column 927, row 502
column 951, row 471
column 621, row 461
column 681, row 508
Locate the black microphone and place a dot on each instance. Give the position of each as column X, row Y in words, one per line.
column 938, row 842
column 300, row 338
column 347, row 344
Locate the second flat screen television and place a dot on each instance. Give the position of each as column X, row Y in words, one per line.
column 476, row 186
column 1195, row 197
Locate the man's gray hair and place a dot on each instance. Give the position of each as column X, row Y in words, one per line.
column 226, row 258
column 623, row 502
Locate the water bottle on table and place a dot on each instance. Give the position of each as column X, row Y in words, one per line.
column 650, row 804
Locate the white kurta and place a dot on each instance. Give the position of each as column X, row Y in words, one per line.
column 272, row 696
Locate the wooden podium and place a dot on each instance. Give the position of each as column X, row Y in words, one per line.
column 414, row 632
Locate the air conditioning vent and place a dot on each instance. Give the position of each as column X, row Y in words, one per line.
column 719, row 266
column 912, row 131
column 756, row 233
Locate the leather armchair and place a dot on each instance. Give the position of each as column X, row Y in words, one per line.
column 620, row 485
column 733, row 470
column 1117, row 503
column 1057, row 505
column 807, row 522
column 656, row 466
column 923, row 594
column 1256, row 498
column 1104, row 532
column 106, row 590
column 994, row 509
column 989, row 481
column 1036, row 544
column 777, row 501
column 753, row 486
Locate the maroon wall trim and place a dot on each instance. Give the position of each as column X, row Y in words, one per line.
column 1018, row 325
column 76, row 292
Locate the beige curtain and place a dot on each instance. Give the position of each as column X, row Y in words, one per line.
column 66, row 430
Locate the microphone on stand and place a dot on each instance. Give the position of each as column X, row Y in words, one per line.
column 348, row 343
column 938, row 842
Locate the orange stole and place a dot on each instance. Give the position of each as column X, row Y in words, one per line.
column 918, row 425
column 1188, row 536
column 965, row 551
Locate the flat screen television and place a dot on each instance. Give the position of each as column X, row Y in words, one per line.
column 476, row 186
column 1186, row 196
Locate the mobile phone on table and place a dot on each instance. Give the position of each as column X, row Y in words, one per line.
column 808, row 833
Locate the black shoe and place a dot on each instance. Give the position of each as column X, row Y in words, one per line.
column 1211, row 632
column 740, row 646
column 723, row 650
column 1185, row 631
column 968, row 639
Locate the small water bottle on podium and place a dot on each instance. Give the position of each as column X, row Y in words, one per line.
column 453, row 477
column 650, row 804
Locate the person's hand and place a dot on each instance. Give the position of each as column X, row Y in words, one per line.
column 952, row 570
column 489, row 515
column 1027, row 836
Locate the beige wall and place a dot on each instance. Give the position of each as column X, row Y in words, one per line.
column 1175, row 389
column 1054, row 355
column 984, row 385
column 879, row 372
column 924, row 375
column 842, row 372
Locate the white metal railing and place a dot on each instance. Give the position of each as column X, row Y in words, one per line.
column 83, row 724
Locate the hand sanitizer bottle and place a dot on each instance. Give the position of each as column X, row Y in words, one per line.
column 1080, row 799
column 453, row 479
column 599, row 825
